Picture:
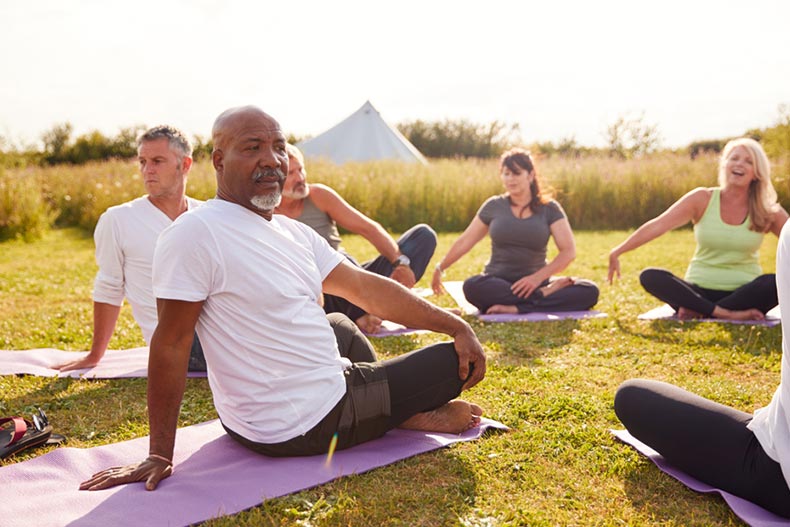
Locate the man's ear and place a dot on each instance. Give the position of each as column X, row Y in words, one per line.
column 186, row 164
column 217, row 159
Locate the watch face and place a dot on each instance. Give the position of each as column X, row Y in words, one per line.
column 402, row 260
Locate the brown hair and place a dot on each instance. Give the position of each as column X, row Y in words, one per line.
column 518, row 160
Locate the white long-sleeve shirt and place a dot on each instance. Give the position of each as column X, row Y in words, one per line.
column 125, row 238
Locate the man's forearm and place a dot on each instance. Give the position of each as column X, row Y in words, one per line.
column 166, row 383
column 389, row 300
column 105, row 317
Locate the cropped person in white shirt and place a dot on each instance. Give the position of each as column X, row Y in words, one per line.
column 745, row 454
column 125, row 238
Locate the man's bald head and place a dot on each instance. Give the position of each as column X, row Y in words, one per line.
column 233, row 118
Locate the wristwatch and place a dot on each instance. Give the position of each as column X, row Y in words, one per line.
column 401, row 260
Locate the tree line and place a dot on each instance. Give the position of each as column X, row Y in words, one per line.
column 626, row 138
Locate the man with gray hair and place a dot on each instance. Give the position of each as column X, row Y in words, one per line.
column 125, row 238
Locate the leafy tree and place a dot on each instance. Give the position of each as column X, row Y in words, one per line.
column 630, row 137
column 56, row 141
column 460, row 138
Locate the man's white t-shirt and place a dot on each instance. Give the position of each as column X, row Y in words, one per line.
column 771, row 424
column 273, row 363
column 125, row 238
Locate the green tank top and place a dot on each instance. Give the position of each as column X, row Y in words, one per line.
column 727, row 256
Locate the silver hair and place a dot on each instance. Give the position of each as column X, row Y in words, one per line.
column 175, row 138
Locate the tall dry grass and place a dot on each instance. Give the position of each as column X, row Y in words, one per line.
column 596, row 192
column 24, row 212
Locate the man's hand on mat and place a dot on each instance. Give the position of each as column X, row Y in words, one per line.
column 370, row 324
column 470, row 353
column 79, row 364
column 152, row 471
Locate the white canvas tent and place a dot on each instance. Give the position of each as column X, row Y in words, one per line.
column 362, row 136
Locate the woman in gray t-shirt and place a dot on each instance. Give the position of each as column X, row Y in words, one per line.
column 517, row 277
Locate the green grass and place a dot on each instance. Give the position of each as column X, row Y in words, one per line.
column 551, row 383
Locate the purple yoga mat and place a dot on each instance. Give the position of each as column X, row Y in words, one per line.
column 455, row 290
column 214, row 476
column 665, row 312
column 115, row 363
column 391, row 329
column 750, row 513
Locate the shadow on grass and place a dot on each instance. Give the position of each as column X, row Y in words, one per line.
column 755, row 340
column 523, row 342
column 665, row 499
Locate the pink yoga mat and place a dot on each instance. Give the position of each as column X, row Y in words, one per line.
column 115, row 363
column 214, row 476
column 750, row 513
column 665, row 312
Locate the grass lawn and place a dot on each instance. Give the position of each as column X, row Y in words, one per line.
column 552, row 383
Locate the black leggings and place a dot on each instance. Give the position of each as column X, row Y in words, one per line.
column 705, row 439
column 418, row 381
column 379, row 395
column 760, row 293
column 485, row 290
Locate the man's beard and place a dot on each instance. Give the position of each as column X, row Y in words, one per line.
column 300, row 192
column 267, row 202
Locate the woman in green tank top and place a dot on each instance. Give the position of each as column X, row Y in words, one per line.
column 724, row 278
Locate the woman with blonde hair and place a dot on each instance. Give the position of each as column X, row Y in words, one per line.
column 724, row 279
column 517, row 277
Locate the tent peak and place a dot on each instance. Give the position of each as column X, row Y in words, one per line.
column 362, row 136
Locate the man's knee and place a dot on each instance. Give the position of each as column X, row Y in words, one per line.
column 421, row 237
column 351, row 342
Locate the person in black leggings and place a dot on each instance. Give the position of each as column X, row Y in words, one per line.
column 758, row 294
column 705, row 439
column 741, row 453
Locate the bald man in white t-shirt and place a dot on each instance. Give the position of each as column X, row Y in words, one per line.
column 250, row 281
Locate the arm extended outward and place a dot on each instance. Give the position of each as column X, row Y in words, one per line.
column 395, row 302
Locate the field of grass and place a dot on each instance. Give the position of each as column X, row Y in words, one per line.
column 596, row 192
column 552, row 383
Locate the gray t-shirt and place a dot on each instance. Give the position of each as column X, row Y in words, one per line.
column 320, row 223
column 518, row 245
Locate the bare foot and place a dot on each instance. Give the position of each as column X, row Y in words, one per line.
column 742, row 314
column 561, row 282
column 687, row 314
column 501, row 308
column 369, row 324
column 453, row 418
column 454, row 310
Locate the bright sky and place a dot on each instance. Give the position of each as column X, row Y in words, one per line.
column 696, row 69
